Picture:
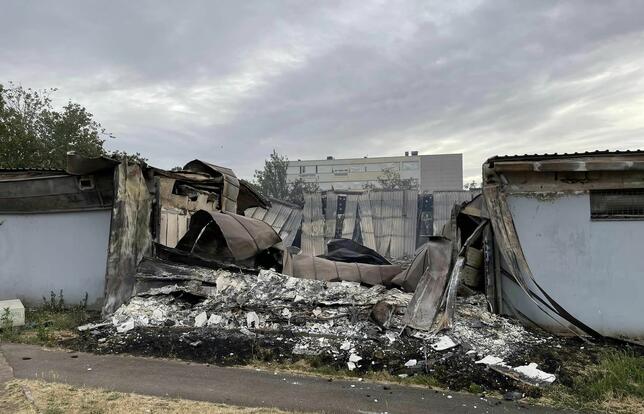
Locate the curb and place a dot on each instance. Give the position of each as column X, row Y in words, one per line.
column 6, row 372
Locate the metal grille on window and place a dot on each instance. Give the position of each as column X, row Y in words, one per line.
column 617, row 204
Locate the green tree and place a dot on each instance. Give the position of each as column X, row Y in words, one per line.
column 390, row 180
column 32, row 133
column 272, row 182
column 272, row 179
column 135, row 158
column 297, row 189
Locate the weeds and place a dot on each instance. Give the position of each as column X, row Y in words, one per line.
column 45, row 324
column 615, row 384
column 619, row 374
column 7, row 330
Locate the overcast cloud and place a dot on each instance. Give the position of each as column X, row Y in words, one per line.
column 229, row 81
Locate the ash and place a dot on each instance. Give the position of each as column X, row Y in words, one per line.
column 231, row 317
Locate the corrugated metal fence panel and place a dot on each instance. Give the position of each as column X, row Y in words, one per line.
column 272, row 213
column 350, row 213
column 330, row 215
column 410, row 219
column 375, row 198
column 284, row 219
column 366, row 221
column 444, row 202
column 313, row 225
column 397, row 248
column 291, row 227
column 281, row 215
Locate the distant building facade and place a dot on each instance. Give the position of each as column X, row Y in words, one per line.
column 439, row 172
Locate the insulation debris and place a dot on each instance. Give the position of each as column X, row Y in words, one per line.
column 224, row 316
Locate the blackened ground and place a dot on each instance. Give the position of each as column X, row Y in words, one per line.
column 452, row 369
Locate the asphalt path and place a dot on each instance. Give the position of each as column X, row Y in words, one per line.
column 241, row 386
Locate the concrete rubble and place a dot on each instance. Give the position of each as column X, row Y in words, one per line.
column 300, row 319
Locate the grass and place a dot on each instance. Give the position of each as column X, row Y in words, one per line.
column 46, row 325
column 31, row 396
column 614, row 385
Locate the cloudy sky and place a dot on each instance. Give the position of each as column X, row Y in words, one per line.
column 228, row 81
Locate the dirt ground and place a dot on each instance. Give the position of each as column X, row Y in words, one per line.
column 31, row 396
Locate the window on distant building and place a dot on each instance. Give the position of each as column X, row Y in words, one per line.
column 617, row 204
column 325, row 169
column 358, row 168
column 409, row 165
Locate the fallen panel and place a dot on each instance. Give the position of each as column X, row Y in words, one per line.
column 228, row 237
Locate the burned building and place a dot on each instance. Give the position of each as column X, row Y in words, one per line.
column 568, row 232
column 83, row 230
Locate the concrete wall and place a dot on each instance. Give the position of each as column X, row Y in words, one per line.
column 441, row 172
column 44, row 252
column 593, row 269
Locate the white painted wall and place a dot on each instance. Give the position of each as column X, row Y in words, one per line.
column 44, row 252
column 594, row 269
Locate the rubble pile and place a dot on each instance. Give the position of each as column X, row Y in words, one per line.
column 220, row 316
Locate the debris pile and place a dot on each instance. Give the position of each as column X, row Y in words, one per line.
column 222, row 316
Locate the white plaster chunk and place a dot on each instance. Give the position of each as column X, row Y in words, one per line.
column 443, row 343
column 354, row 358
column 490, row 360
column 252, row 320
column 215, row 319
column 201, row 319
column 531, row 371
column 125, row 326
column 411, row 363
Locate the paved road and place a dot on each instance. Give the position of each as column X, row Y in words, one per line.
column 240, row 386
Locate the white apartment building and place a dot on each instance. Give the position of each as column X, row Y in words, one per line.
column 437, row 172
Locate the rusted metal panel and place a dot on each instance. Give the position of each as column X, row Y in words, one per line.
column 227, row 237
column 318, row 268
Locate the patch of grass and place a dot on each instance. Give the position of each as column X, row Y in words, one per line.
column 47, row 324
column 52, row 398
column 618, row 375
column 614, row 385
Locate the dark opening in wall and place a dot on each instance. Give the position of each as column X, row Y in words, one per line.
column 617, row 204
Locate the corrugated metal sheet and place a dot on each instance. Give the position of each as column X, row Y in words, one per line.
column 313, row 225
column 330, row 215
column 285, row 219
column 444, row 202
column 366, row 221
column 350, row 215
column 410, row 221
column 396, row 220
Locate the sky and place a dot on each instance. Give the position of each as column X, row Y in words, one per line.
column 229, row 81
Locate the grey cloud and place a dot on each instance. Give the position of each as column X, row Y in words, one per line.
column 229, row 81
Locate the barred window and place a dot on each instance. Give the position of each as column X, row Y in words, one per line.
column 617, row 204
